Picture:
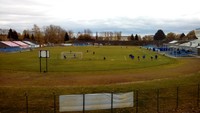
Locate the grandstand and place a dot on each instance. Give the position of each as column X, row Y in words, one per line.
column 8, row 46
column 197, row 33
column 21, row 44
column 186, row 49
column 31, row 45
column 14, row 46
column 180, row 48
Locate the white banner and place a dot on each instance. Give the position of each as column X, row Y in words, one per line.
column 95, row 101
column 71, row 103
column 122, row 100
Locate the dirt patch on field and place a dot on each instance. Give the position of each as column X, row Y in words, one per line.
column 184, row 67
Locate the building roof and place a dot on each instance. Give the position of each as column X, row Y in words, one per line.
column 31, row 44
column 193, row 43
column 21, row 44
column 197, row 33
column 9, row 43
column 173, row 42
column 28, row 42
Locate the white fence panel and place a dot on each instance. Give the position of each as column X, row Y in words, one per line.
column 71, row 103
column 122, row 100
column 95, row 101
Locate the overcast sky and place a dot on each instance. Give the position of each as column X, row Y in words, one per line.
column 129, row 16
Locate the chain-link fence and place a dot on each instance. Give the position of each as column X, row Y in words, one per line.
column 182, row 99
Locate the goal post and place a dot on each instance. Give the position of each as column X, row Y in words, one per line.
column 71, row 55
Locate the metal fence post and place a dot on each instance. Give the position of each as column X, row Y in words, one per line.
column 136, row 96
column 83, row 103
column 112, row 102
column 46, row 62
column 177, row 97
column 198, row 96
column 26, row 96
column 158, row 102
column 54, row 98
column 40, row 62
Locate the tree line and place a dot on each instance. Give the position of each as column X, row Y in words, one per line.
column 160, row 36
column 56, row 34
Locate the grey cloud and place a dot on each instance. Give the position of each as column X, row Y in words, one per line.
column 21, row 19
column 14, row 3
column 20, row 9
column 21, row 14
column 142, row 25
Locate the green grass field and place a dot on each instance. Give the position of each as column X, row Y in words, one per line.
column 19, row 73
column 92, row 69
column 117, row 58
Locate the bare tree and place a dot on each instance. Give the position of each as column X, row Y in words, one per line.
column 191, row 35
column 148, row 38
column 38, row 36
column 71, row 34
column 118, row 35
column 88, row 32
column 54, row 34
column 171, row 36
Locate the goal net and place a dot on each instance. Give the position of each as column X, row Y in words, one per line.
column 71, row 55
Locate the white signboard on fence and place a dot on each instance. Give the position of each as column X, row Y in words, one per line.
column 71, row 103
column 122, row 100
column 95, row 101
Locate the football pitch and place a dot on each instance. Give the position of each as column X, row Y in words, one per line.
column 93, row 69
column 92, row 59
column 97, row 65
